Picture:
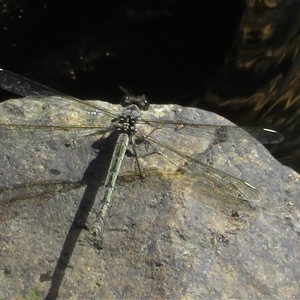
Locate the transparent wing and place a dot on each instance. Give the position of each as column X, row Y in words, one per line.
column 210, row 181
column 221, row 133
column 35, row 189
column 22, row 86
column 59, row 115
column 51, row 117
column 19, row 199
column 46, row 113
column 28, row 88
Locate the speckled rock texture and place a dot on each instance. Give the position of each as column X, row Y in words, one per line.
column 162, row 238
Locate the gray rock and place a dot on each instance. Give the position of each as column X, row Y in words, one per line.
column 162, row 238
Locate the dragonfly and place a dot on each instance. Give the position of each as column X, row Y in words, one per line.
column 133, row 125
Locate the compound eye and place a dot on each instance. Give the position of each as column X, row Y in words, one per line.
column 140, row 101
column 125, row 101
column 145, row 104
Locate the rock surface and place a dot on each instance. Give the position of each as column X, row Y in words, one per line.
column 162, row 238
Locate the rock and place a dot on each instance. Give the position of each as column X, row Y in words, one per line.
column 162, row 238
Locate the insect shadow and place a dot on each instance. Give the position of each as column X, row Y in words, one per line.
column 92, row 180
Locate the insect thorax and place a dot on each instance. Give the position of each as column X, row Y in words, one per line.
column 127, row 121
column 125, row 124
